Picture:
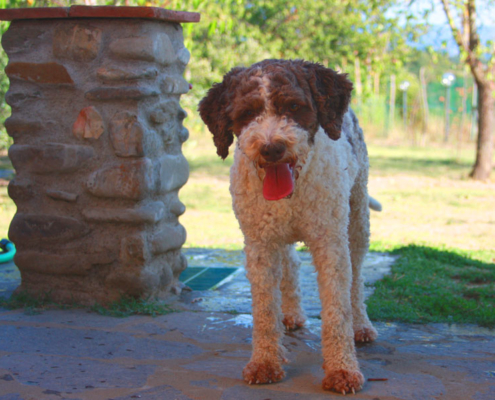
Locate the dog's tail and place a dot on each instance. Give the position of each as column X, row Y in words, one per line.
column 374, row 204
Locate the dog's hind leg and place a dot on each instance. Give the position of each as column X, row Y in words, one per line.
column 264, row 271
column 359, row 231
column 294, row 317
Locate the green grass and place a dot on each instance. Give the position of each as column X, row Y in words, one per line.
column 32, row 305
column 128, row 306
column 434, row 162
column 436, row 285
column 440, row 223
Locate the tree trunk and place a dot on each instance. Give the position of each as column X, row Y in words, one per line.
column 486, row 125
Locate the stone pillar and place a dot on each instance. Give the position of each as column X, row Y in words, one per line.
column 97, row 129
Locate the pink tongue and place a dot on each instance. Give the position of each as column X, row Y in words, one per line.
column 278, row 182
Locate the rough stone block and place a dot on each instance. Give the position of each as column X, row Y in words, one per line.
column 173, row 172
column 39, row 73
column 28, row 230
column 21, row 190
column 128, row 180
column 120, row 93
column 114, row 74
column 50, row 158
column 126, row 133
column 170, row 237
column 89, row 124
column 68, row 264
column 17, row 127
column 145, row 214
column 134, row 250
column 85, row 93
column 61, row 195
column 183, row 55
column 157, row 48
column 177, row 207
column 16, row 99
column 174, row 85
column 183, row 134
column 79, row 42
column 159, row 117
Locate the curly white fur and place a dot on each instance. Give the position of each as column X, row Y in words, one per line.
column 329, row 212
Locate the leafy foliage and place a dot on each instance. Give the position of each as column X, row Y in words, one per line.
column 241, row 32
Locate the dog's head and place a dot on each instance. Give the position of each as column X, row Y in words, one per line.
column 275, row 108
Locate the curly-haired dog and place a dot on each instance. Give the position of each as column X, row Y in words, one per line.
column 300, row 173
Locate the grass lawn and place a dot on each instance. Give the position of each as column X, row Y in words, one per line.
column 441, row 224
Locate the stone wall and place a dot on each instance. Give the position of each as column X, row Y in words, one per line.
column 97, row 129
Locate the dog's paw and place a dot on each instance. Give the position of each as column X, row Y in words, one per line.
column 342, row 381
column 365, row 334
column 293, row 321
column 263, row 372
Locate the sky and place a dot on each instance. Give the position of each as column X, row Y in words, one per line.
column 440, row 31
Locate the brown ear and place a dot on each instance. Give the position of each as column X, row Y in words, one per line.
column 332, row 93
column 213, row 109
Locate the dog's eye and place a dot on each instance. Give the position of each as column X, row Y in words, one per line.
column 294, row 107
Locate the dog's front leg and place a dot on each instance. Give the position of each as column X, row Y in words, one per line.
column 264, row 270
column 332, row 262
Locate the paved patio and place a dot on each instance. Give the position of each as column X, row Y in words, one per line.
column 199, row 353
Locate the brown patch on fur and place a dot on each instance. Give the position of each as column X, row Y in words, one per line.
column 365, row 335
column 306, row 93
column 342, row 381
column 292, row 322
column 214, row 111
column 265, row 372
column 332, row 94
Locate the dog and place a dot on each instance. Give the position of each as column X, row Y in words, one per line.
column 300, row 173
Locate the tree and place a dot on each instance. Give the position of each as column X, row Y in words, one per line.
column 481, row 62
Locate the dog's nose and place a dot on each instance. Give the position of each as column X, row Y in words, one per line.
column 273, row 152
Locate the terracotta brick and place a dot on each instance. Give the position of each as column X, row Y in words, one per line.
column 39, row 73
column 134, row 12
column 33, row 13
column 98, row 12
column 89, row 124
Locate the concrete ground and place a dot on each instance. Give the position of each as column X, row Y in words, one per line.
column 199, row 352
